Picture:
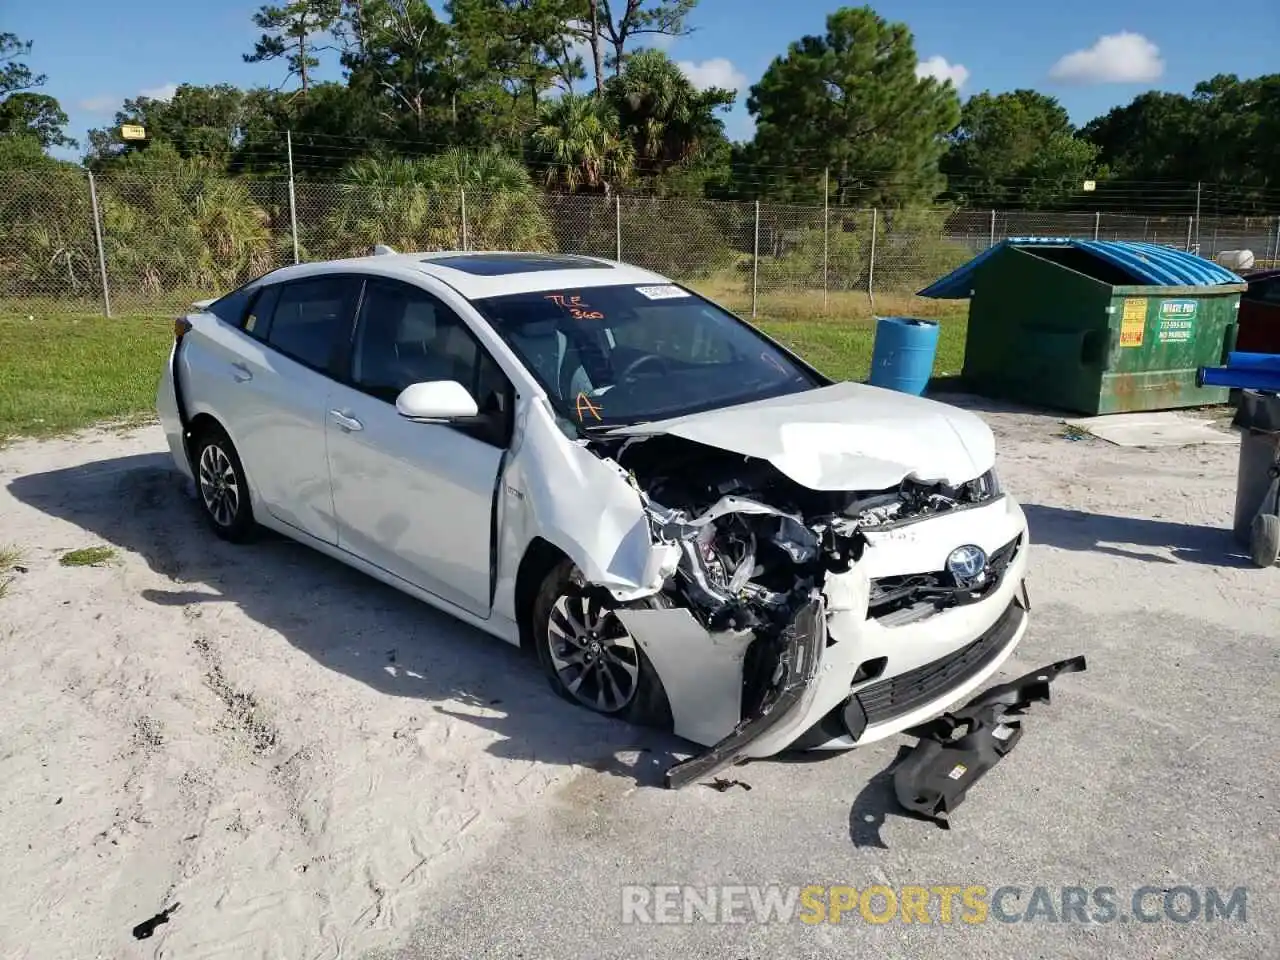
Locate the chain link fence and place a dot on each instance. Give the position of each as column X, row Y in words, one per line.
column 133, row 242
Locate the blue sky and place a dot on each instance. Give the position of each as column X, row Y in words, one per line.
column 1091, row 54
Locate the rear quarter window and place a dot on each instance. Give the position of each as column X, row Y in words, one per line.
column 231, row 308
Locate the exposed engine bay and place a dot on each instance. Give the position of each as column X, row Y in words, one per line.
column 755, row 546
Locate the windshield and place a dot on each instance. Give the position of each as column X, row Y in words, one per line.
column 617, row 355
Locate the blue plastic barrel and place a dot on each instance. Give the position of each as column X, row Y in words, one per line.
column 902, row 358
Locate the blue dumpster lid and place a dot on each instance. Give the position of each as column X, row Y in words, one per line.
column 1148, row 263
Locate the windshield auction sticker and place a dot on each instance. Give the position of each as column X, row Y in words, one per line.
column 664, row 292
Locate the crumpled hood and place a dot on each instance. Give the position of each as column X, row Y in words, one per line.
column 847, row 436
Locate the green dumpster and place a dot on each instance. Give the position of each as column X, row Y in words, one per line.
column 1094, row 326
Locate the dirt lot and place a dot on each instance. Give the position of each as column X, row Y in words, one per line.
column 315, row 766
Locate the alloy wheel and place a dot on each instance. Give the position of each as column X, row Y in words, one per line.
column 593, row 655
column 218, row 485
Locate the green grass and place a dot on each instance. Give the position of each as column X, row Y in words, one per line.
column 60, row 372
column 87, row 557
column 64, row 371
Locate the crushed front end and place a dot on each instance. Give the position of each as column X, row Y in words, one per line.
column 818, row 619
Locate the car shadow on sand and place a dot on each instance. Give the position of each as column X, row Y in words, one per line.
column 1070, row 529
column 344, row 620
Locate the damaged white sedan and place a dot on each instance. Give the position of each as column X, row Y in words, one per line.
column 691, row 526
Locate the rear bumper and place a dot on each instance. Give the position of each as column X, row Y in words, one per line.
column 170, row 415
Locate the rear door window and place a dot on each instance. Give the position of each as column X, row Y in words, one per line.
column 257, row 322
column 311, row 317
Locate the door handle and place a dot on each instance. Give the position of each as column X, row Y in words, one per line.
column 345, row 422
column 241, row 373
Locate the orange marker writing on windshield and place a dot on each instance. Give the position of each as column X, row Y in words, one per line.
column 583, row 406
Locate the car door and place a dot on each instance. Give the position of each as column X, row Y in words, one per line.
column 294, row 334
column 417, row 498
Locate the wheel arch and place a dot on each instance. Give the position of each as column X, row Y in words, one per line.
column 541, row 556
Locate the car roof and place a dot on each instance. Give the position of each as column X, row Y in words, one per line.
column 480, row 274
column 1254, row 276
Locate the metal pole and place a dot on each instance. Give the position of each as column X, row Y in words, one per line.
column 871, row 265
column 755, row 263
column 1097, row 223
column 293, row 200
column 462, row 194
column 1146, row 224
column 826, row 234
column 617, row 228
column 1275, row 253
column 993, row 229
column 97, row 236
column 1190, row 220
column 1197, row 216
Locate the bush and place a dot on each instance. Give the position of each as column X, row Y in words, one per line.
column 171, row 223
column 684, row 239
column 416, row 204
column 46, row 230
column 910, row 252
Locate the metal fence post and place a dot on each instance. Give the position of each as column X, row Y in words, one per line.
column 293, row 201
column 1097, row 223
column 617, row 228
column 462, row 196
column 97, row 236
column 826, row 231
column 755, row 263
column 1275, row 251
column 993, row 229
column 1190, row 221
column 871, row 263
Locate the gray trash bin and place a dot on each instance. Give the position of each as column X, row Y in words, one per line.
column 1256, row 521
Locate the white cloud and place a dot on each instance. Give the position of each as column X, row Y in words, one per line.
column 1116, row 58
column 162, row 92
column 100, row 104
column 938, row 68
column 656, row 41
column 716, row 72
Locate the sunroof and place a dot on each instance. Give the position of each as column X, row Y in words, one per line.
column 502, row 264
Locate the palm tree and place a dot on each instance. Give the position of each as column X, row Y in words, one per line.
column 579, row 140
column 668, row 120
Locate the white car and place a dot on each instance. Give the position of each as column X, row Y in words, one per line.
column 691, row 526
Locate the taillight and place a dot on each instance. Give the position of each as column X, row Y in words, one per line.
column 181, row 327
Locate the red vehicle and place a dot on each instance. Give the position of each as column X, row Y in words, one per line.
column 1259, row 318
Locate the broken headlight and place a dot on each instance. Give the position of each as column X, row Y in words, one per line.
column 986, row 486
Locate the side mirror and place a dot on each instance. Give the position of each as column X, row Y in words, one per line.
column 436, row 400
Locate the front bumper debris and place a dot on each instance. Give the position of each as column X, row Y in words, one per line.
column 804, row 640
column 959, row 747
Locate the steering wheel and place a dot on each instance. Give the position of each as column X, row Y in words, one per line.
column 639, row 362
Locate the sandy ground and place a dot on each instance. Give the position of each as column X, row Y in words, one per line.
column 315, row 766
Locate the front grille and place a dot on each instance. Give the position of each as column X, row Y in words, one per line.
column 901, row 694
column 903, row 599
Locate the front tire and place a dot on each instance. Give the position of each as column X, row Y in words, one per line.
column 221, row 486
column 588, row 656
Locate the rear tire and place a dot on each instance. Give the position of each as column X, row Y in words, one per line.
column 588, row 656
column 221, row 486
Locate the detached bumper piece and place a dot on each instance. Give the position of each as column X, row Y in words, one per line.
column 959, row 747
column 803, row 643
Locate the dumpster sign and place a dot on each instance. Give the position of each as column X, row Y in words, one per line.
column 1133, row 322
column 1177, row 320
